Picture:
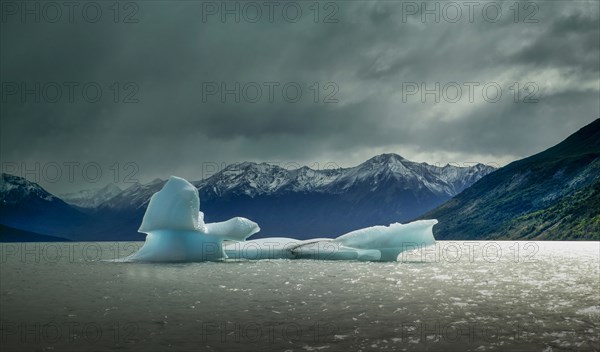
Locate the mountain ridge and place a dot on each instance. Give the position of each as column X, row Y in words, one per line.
column 300, row 202
column 24, row 205
column 91, row 198
column 520, row 200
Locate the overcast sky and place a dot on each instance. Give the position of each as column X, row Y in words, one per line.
column 513, row 80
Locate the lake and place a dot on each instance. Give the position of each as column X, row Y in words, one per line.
column 456, row 296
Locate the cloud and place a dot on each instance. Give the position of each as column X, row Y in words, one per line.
column 154, row 75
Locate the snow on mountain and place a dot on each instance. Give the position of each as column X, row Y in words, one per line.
column 254, row 179
column 134, row 197
column 257, row 179
column 14, row 189
column 293, row 202
column 24, row 205
column 91, row 198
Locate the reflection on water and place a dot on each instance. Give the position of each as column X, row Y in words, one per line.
column 454, row 296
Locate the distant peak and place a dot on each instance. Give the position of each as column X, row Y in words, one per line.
column 12, row 183
column 386, row 157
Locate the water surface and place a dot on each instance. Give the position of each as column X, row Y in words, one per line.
column 539, row 296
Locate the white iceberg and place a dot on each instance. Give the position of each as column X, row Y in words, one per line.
column 377, row 243
column 176, row 232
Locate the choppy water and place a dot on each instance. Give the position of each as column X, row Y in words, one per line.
column 539, row 296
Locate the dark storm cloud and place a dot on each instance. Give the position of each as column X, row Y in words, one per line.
column 571, row 41
column 370, row 54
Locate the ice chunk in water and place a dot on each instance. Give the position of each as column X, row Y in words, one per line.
column 177, row 232
column 175, row 207
column 377, row 243
column 236, row 229
column 176, row 229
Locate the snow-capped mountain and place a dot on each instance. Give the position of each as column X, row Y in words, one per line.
column 252, row 179
column 26, row 206
column 14, row 190
column 91, row 198
column 302, row 202
column 134, row 197
column 299, row 202
column 305, row 202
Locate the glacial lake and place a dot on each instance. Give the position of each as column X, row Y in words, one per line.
column 479, row 296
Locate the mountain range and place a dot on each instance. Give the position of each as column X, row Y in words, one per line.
column 91, row 198
column 551, row 195
column 27, row 207
column 300, row 203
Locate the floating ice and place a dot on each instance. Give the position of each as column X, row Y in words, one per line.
column 176, row 232
column 176, row 229
column 377, row 243
column 175, row 207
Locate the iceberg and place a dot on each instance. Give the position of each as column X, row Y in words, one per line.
column 176, row 232
column 377, row 243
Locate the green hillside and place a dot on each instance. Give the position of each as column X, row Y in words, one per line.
column 550, row 195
